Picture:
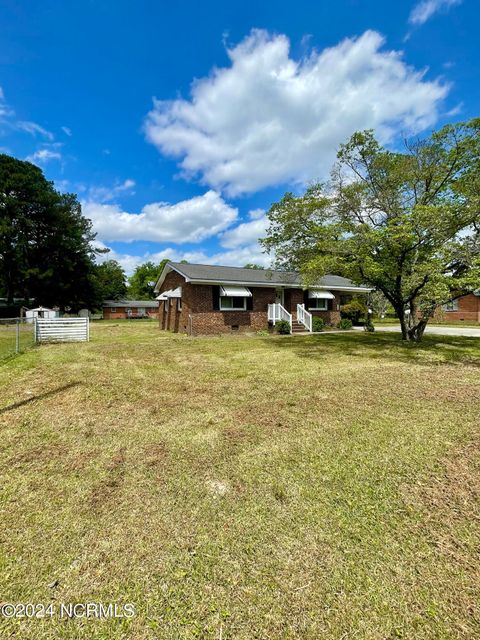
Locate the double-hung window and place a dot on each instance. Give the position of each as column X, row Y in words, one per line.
column 318, row 304
column 228, row 303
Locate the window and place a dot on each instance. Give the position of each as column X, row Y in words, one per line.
column 235, row 303
column 179, row 304
column 141, row 311
column 451, row 306
column 165, row 305
column 113, row 309
column 318, row 304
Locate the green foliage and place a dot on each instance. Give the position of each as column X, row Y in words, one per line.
column 142, row 282
column 354, row 310
column 318, row 324
column 282, row 326
column 379, row 304
column 252, row 265
column 46, row 248
column 110, row 281
column 345, row 323
column 407, row 224
column 369, row 326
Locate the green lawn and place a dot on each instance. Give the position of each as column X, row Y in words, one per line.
column 243, row 488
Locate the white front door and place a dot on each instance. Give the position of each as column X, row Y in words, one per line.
column 280, row 296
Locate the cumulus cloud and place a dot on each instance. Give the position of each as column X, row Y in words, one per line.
column 191, row 220
column 269, row 119
column 246, row 233
column 425, row 9
column 235, row 258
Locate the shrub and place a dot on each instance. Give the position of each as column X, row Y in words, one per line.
column 368, row 326
column 345, row 323
column 283, row 327
column 318, row 324
column 354, row 310
column 262, row 332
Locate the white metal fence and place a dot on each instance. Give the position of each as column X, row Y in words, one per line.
column 62, row 330
column 16, row 335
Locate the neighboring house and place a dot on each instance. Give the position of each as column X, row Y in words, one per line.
column 203, row 299
column 466, row 308
column 118, row 309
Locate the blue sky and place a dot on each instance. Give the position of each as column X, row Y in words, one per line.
column 179, row 123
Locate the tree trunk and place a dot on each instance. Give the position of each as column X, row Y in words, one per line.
column 415, row 333
column 400, row 311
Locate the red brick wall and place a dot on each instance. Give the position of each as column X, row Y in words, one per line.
column 468, row 310
column 206, row 320
column 175, row 320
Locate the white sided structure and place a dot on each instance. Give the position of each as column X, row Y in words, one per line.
column 40, row 312
column 62, row 330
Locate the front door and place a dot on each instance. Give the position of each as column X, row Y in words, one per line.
column 280, row 296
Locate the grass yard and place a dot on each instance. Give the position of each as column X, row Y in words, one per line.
column 8, row 338
column 243, row 488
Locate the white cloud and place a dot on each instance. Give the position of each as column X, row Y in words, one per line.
column 42, row 156
column 33, row 128
column 235, row 258
column 191, row 220
column 425, row 9
column 246, row 233
column 67, row 131
column 269, row 119
column 7, row 116
column 104, row 194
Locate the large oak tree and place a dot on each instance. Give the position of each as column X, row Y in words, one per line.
column 407, row 222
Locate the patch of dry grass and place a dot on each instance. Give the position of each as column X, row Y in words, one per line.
column 299, row 487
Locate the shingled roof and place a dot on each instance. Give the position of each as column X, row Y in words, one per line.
column 260, row 277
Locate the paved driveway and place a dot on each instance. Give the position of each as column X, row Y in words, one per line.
column 472, row 332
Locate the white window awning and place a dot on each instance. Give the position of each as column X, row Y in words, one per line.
column 318, row 294
column 235, row 291
column 176, row 293
column 162, row 296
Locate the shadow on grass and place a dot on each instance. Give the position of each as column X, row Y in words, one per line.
column 41, row 396
column 432, row 350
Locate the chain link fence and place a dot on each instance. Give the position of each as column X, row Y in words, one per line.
column 16, row 335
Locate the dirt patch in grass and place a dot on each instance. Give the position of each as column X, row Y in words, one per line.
column 105, row 490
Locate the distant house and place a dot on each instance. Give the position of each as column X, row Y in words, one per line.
column 118, row 309
column 466, row 308
column 204, row 299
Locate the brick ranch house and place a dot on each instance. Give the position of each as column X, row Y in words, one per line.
column 202, row 299
column 120, row 309
column 466, row 308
